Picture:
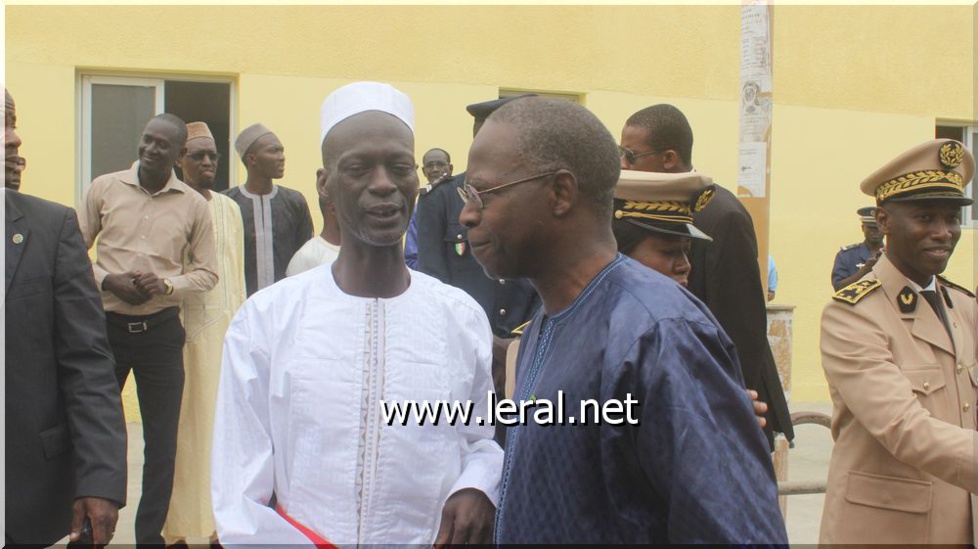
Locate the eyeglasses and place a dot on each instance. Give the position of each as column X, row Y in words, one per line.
column 631, row 156
column 198, row 156
column 470, row 195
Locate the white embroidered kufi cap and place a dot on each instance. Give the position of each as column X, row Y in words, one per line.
column 361, row 97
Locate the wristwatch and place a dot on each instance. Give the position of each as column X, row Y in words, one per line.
column 169, row 286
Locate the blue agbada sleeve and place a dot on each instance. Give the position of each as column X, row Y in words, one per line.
column 698, row 443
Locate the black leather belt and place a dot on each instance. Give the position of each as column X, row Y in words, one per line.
column 143, row 323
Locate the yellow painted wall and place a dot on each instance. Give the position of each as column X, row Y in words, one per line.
column 854, row 86
column 814, row 197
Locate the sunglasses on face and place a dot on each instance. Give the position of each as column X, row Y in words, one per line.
column 198, row 156
column 630, row 156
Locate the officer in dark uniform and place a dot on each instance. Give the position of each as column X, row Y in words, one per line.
column 436, row 167
column 443, row 252
column 443, row 248
column 854, row 261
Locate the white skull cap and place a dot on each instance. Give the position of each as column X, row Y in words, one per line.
column 361, row 97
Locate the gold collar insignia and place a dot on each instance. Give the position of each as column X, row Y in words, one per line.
column 907, row 300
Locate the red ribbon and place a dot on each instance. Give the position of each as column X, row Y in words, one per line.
column 319, row 541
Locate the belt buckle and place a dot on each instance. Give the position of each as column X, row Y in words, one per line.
column 137, row 327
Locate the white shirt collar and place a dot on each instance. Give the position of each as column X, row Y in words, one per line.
column 932, row 286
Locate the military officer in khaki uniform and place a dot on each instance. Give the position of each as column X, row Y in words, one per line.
column 899, row 353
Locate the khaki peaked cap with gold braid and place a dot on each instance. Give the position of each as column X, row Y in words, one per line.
column 935, row 169
column 663, row 202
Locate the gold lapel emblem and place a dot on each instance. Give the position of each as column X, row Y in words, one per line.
column 18, row 238
column 704, row 198
column 907, row 300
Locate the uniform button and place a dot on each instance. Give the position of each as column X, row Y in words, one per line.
column 959, row 369
column 502, row 281
column 967, row 406
column 458, row 236
column 502, row 311
column 926, row 385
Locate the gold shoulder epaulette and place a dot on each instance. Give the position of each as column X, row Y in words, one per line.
column 518, row 331
column 852, row 293
column 949, row 284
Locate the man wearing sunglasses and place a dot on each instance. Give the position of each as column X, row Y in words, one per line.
column 206, row 317
column 724, row 273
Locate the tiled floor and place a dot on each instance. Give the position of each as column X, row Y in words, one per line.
column 809, row 459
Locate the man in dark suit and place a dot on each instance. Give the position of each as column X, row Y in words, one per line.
column 65, row 432
column 725, row 274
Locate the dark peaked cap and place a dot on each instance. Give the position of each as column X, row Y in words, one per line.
column 481, row 111
column 866, row 215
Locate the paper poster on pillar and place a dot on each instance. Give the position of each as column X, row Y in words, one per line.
column 756, row 86
column 756, row 95
column 752, row 172
column 755, row 109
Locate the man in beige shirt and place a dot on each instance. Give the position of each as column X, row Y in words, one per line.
column 149, row 225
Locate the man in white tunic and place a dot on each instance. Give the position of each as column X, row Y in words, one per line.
column 206, row 316
column 302, row 452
